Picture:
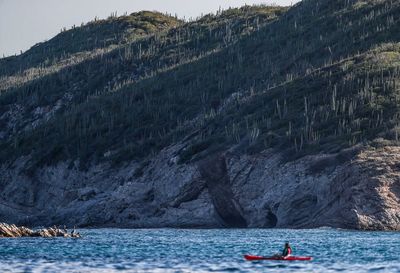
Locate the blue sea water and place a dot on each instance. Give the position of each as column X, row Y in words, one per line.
column 220, row 250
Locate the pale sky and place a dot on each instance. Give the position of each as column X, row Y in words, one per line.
column 24, row 23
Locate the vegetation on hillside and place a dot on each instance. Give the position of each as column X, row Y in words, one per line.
column 80, row 44
column 321, row 76
column 86, row 38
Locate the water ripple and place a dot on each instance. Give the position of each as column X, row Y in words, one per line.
column 174, row 250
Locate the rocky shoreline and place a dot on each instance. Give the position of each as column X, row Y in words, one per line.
column 13, row 231
column 355, row 189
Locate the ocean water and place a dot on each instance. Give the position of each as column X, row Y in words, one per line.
column 220, row 250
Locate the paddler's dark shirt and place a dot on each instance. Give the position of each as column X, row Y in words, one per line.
column 287, row 251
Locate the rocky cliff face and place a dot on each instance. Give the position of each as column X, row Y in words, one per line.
column 357, row 189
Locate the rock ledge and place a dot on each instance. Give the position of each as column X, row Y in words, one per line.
column 13, row 231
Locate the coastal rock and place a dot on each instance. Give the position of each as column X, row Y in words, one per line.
column 356, row 189
column 13, row 231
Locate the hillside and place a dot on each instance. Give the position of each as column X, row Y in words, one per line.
column 84, row 41
column 89, row 81
column 259, row 116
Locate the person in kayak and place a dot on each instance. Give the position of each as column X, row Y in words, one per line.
column 287, row 251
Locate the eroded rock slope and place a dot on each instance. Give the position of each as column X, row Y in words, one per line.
column 357, row 188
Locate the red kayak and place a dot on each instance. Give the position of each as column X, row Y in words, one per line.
column 290, row 258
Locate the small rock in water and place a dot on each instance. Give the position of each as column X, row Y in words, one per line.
column 12, row 231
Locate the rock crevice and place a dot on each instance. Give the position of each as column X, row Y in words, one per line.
column 214, row 172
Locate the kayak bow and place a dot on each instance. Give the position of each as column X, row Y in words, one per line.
column 290, row 258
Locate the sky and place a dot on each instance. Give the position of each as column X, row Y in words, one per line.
column 23, row 23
